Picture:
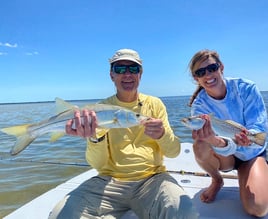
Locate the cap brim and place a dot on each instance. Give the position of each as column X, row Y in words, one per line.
column 127, row 59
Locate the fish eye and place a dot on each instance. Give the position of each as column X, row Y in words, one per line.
column 138, row 115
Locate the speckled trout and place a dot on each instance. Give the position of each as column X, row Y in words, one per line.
column 224, row 128
column 108, row 116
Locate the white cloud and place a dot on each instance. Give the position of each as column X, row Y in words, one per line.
column 3, row 53
column 9, row 45
column 32, row 53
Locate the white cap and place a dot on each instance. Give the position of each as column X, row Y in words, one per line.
column 126, row 54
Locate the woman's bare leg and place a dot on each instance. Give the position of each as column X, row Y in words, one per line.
column 211, row 163
column 253, row 181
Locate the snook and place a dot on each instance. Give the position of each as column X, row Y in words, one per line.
column 224, row 128
column 109, row 116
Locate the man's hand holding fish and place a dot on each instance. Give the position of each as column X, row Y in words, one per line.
column 83, row 128
column 153, row 128
column 85, row 124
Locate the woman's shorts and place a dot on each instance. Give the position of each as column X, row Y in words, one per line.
column 238, row 162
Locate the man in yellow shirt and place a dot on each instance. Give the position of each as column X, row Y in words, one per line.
column 129, row 160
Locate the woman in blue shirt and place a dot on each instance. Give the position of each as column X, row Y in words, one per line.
column 238, row 100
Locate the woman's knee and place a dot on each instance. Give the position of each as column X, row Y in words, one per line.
column 202, row 151
column 256, row 209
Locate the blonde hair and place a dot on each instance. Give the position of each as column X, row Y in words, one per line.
column 199, row 57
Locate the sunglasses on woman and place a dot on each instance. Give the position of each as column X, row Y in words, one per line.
column 210, row 68
column 122, row 69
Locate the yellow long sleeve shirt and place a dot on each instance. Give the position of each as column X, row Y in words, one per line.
column 127, row 153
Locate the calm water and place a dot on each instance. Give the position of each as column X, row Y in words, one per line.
column 42, row 165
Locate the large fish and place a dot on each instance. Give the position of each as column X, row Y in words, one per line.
column 224, row 128
column 109, row 116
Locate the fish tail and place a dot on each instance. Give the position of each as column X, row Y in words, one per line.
column 23, row 137
column 260, row 138
column 16, row 130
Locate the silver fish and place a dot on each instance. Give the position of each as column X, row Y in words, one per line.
column 224, row 128
column 108, row 116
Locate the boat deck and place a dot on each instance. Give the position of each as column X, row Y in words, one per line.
column 186, row 171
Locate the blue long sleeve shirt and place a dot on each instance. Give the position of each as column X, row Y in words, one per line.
column 244, row 104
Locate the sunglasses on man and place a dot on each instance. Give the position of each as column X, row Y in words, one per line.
column 122, row 69
column 210, row 68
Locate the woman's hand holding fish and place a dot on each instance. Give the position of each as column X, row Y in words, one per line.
column 242, row 138
column 154, row 128
column 207, row 134
column 82, row 125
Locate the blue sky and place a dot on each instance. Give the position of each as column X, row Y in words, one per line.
column 60, row 48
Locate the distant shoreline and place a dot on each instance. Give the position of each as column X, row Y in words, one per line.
column 83, row 100
column 50, row 101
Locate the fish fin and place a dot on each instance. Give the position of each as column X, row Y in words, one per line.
column 228, row 121
column 101, row 131
column 55, row 136
column 22, row 142
column 95, row 106
column 236, row 124
column 260, row 138
column 22, row 135
column 62, row 105
column 17, row 130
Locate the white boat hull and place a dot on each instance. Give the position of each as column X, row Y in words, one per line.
column 226, row 205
